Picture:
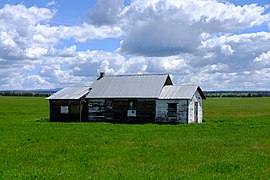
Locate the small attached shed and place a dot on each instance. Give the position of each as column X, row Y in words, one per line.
column 180, row 104
column 69, row 105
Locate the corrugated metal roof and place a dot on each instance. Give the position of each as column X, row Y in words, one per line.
column 129, row 86
column 178, row 92
column 70, row 93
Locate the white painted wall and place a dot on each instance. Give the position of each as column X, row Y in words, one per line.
column 191, row 113
column 185, row 110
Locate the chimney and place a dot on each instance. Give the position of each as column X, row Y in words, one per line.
column 101, row 75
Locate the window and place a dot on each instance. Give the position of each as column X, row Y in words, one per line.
column 130, row 105
column 74, row 109
column 64, row 109
column 172, row 109
column 71, row 109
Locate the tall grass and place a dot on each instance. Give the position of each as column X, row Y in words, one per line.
column 232, row 143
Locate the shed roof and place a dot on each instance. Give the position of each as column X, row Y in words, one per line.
column 70, row 93
column 129, row 86
column 180, row 92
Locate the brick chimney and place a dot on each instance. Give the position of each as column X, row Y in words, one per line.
column 101, row 75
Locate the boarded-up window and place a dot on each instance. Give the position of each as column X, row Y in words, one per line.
column 74, row 109
column 64, row 109
column 172, row 109
column 132, row 104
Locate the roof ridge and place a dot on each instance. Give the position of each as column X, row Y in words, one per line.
column 183, row 85
column 122, row 75
column 75, row 87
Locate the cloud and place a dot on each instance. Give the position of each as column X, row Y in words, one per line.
column 263, row 60
column 106, row 12
column 241, row 49
column 68, row 52
column 170, row 27
column 20, row 15
column 226, row 50
column 51, row 3
column 17, row 25
column 35, row 52
column 25, row 32
column 198, row 42
column 215, row 68
column 27, row 46
column 88, row 32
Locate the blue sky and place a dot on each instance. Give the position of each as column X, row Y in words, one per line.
column 217, row 44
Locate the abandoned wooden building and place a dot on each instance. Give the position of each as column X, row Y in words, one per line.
column 144, row 99
column 150, row 98
column 69, row 105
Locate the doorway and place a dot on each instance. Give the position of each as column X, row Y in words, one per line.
column 172, row 112
column 196, row 109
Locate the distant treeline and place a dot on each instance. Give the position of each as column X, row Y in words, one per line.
column 237, row 93
column 207, row 93
column 21, row 93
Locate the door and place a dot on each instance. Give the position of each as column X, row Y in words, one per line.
column 196, row 112
column 172, row 113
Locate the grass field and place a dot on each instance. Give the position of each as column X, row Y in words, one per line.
column 232, row 143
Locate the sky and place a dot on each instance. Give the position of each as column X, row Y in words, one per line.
column 216, row 44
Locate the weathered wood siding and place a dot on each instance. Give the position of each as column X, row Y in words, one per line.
column 84, row 111
column 187, row 111
column 163, row 114
column 96, row 110
column 146, row 111
column 72, row 111
column 117, row 110
column 191, row 117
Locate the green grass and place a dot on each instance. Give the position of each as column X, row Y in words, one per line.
column 232, row 143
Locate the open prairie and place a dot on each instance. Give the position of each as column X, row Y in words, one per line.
column 232, row 143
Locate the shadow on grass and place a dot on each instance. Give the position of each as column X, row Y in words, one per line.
column 221, row 167
column 43, row 120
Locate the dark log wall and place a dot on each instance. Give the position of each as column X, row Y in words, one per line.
column 84, row 111
column 146, row 111
column 73, row 114
column 116, row 110
column 96, row 110
column 119, row 111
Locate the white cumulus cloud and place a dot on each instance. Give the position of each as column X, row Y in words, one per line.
column 170, row 27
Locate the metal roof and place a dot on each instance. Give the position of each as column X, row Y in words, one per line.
column 129, row 86
column 179, row 92
column 70, row 93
